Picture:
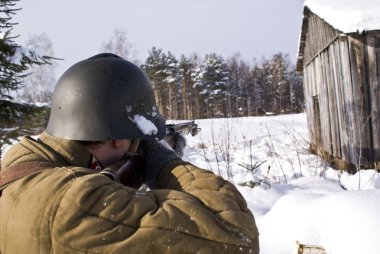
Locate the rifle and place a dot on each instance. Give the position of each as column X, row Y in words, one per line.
column 175, row 132
column 183, row 128
column 130, row 171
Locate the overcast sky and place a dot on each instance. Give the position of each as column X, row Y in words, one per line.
column 78, row 28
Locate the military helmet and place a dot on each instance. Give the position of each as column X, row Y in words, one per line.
column 105, row 97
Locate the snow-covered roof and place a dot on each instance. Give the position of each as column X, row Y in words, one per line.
column 348, row 15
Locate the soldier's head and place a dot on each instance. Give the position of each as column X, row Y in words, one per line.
column 105, row 98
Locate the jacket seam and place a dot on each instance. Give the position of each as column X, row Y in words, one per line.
column 52, row 215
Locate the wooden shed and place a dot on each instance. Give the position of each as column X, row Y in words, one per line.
column 340, row 65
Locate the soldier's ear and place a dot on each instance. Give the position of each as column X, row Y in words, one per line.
column 120, row 143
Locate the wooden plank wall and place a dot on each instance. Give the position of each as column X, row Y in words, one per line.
column 317, row 83
column 340, row 94
column 307, row 81
column 361, row 97
column 324, row 104
column 347, row 97
column 344, row 78
column 317, row 88
column 318, row 36
column 373, row 74
column 327, row 65
column 337, row 95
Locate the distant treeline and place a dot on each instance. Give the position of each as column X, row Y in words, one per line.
column 191, row 88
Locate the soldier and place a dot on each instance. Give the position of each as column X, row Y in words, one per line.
column 104, row 114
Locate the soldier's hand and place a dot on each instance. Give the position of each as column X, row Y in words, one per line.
column 156, row 154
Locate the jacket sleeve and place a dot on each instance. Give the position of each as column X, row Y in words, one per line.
column 194, row 211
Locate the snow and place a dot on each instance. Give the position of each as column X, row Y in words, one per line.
column 20, row 52
column 146, row 126
column 348, row 15
column 154, row 111
column 297, row 196
column 18, row 55
column 31, row 51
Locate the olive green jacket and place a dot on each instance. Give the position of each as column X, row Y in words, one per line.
column 70, row 209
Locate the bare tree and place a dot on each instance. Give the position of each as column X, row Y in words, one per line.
column 39, row 84
column 240, row 92
column 120, row 45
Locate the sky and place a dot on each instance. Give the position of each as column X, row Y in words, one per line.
column 79, row 28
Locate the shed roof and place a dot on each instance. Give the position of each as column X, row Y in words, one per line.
column 348, row 15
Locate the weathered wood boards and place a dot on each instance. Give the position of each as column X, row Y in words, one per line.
column 341, row 80
column 373, row 75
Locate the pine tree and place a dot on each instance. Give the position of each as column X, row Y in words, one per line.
column 235, row 83
column 194, row 89
column 246, row 90
column 279, row 66
column 262, row 87
column 212, row 83
column 173, row 84
column 240, row 86
column 14, row 62
column 162, row 69
column 187, row 68
column 200, row 96
column 152, row 66
column 297, row 99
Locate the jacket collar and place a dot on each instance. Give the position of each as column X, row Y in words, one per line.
column 70, row 152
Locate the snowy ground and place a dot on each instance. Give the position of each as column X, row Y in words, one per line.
column 297, row 196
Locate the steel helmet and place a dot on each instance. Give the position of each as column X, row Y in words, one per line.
column 105, row 97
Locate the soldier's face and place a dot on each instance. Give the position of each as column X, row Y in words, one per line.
column 110, row 152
